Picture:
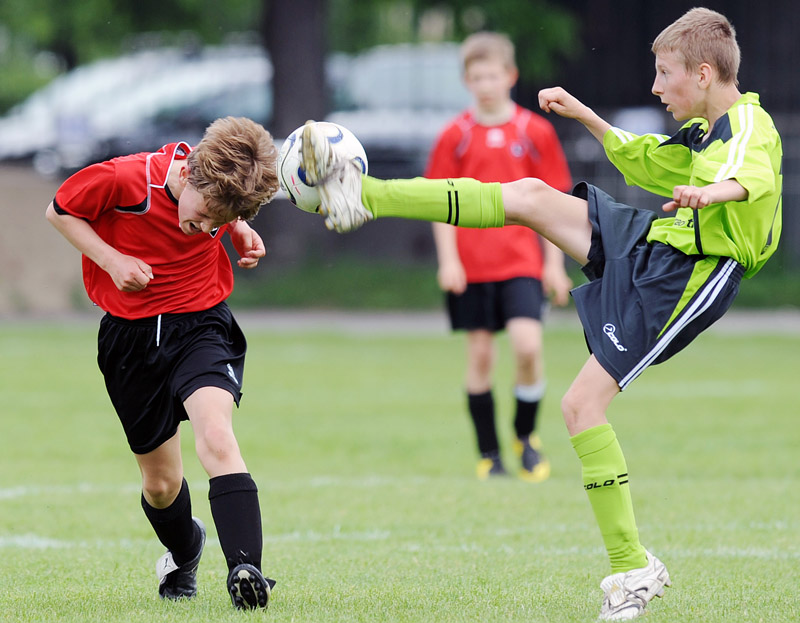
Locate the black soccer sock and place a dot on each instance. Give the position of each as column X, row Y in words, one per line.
column 237, row 515
column 174, row 525
column 481, row 409
column 525, row 420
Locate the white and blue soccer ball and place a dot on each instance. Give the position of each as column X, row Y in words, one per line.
column 292, row 176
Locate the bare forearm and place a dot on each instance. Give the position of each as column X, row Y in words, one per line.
column 81, row 236
column 559, row 101
column 444, row 237
column 698, row 197
column 594, row 123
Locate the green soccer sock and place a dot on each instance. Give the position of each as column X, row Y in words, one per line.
column 460, row 201
column 605, row 478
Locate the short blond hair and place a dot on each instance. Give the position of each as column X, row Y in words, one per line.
column 703, row 36
column 233, row 168
column 482, row 46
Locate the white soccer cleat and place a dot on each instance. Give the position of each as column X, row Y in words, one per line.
column 627, row 594
column 337, row 178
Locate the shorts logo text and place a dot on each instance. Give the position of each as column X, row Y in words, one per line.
column 611, row 332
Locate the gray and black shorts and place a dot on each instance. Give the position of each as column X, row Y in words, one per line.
column 644, row 301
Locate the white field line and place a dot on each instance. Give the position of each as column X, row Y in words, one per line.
column 201, row 487
column 83, row 488
column 464, row 540
column 38, row 542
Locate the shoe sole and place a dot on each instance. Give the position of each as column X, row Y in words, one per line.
column 248, row 590
column 309, row 151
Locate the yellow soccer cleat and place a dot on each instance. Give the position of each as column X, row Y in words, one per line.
column 535, row 467
column 490, row 465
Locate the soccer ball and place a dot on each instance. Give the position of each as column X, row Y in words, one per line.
column 292, row 176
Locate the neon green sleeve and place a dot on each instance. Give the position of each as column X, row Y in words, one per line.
column 647, row 162
column 750, row 157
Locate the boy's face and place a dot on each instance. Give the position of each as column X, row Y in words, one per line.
column 490, row 83
column 677, row 87
column 193, row 215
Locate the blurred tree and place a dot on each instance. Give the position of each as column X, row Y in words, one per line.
column 542, row 31
column 294, row 35
column 546, row 34
column 78, row 32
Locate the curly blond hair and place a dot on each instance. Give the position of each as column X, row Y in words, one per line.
column 233, row 168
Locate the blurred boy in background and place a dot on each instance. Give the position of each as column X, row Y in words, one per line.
column 498, row 279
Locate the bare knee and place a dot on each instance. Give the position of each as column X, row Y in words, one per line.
column 216, row 443
column 218, row 450
column 571, row 409
column 480, row 361
column 161, row 489
column 521, row 197
column 582, row 411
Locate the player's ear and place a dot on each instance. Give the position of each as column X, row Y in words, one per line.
column 513, row 75
column 705, row 75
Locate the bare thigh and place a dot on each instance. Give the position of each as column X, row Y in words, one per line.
column 561, row 218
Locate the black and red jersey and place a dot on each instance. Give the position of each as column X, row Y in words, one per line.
column 127, row 202
column 524, row 146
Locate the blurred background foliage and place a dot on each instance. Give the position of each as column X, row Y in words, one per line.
column 41, row 38
column 598, row 49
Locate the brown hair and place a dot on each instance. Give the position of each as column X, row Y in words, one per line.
column 482, row 46
column 703, row 36
column 233, row 168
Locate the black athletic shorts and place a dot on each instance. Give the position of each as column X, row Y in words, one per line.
column 153, row 364
column 492, row 304
column 644, row 301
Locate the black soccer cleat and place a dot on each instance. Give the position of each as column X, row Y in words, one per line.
column 248, row 588
column 534, row 466
column 176, row 582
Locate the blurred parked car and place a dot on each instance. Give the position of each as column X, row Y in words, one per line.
column 394, row 98
column 400, row 98
column 85, row 115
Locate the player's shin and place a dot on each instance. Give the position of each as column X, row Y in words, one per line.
column 605, row 479
column 461, row 201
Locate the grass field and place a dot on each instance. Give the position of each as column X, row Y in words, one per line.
column 364, row 459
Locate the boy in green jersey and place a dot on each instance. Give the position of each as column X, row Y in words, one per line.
column 654, row 283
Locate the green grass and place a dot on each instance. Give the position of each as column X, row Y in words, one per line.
column 364, row 459
column 351, row 283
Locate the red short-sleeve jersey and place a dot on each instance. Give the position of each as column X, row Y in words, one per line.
column 126, row 202
column 525, row 146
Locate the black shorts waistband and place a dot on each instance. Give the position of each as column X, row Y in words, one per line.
column 163, row 319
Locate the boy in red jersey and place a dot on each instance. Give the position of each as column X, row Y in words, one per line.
column 496, row 279
column 150, row 228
